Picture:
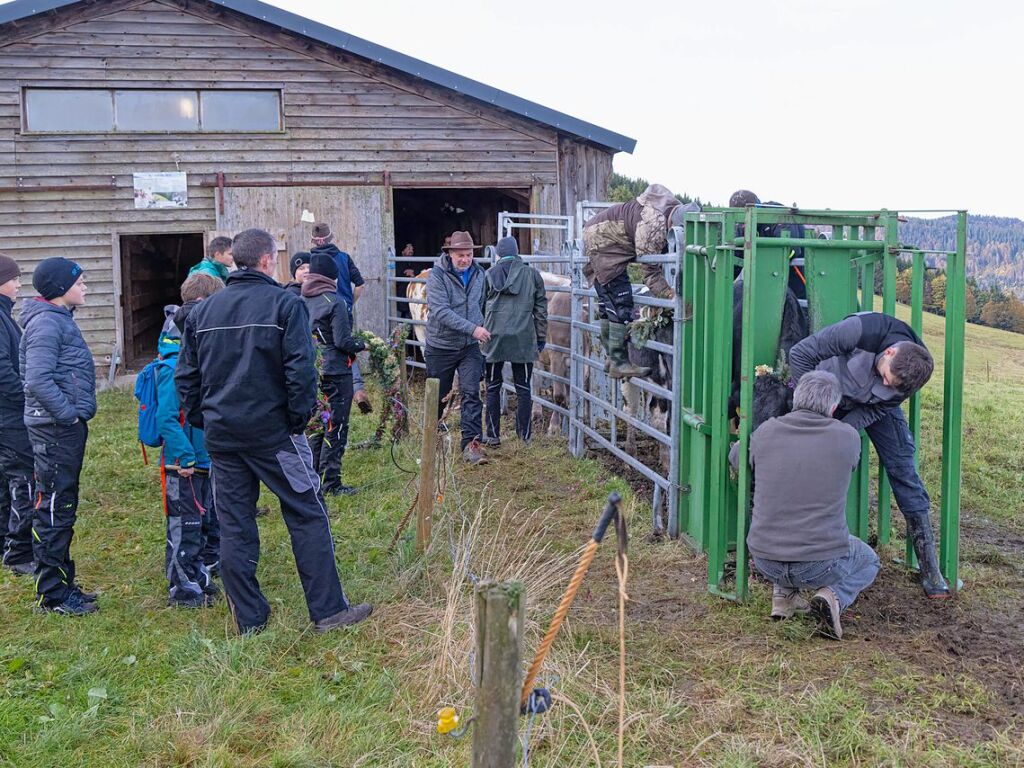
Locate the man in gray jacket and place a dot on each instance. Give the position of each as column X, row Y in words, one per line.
column 798, row 533
column 455, row 330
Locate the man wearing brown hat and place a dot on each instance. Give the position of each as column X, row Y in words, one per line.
column 455, row 330
column 611, row 240
column 17, row 490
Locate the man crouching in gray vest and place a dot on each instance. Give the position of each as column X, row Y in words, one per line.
column 798, row 534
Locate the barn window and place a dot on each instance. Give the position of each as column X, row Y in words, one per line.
column 69, row 110
column 137, row 110
column 241, row 110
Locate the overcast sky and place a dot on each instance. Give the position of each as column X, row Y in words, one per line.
column 852, row 104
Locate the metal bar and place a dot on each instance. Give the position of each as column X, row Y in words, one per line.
column 889, row 269
column 643, row 427
column 952, row 407
column 805, row 242
column 916, row 321
column 640, row 467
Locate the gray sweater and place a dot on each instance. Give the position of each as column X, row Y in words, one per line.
column 803, row 463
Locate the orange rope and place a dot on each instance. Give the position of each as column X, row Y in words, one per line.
column 559, row 617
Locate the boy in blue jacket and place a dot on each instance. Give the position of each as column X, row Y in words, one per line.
column 185, row 467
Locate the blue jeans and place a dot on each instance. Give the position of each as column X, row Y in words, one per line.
column 847, row 576
column 895, row 446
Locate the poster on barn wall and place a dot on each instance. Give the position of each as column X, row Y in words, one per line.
column 160, row 190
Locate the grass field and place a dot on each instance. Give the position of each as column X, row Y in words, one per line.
column 709, row 682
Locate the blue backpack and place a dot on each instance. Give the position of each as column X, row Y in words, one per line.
column 145, row 393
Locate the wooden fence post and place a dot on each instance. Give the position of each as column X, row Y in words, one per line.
column 500, row 612
column 428, row 465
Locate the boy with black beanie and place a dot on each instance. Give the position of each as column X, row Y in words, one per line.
column 332, row 333
column 298, row 265
column 16, row 462
column 60, row 397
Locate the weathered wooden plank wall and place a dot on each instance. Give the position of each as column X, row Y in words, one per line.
column 345, row 120
column 356, row 216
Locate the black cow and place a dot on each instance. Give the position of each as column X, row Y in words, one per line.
column 770, row 397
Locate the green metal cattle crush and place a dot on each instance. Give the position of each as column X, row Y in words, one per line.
column 840, row 259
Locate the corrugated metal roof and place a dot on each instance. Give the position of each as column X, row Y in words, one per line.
column 22, row 9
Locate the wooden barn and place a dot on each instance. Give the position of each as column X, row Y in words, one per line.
column 134, row 131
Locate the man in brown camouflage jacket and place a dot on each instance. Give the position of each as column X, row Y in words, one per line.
column 611, row 240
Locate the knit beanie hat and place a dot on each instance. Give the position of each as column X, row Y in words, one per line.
column 297, row 260
column 322, row 234
column 8, row 269
column 55, row 276
column 322, row 264
column 507, row 246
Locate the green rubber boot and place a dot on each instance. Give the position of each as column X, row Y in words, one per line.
column 605, row 331
column 621, row 368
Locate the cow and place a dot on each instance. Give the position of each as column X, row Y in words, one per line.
column 793, row 328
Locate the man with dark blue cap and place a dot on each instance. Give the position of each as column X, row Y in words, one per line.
column 60, row 398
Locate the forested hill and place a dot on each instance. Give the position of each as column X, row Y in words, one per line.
column 995, row 246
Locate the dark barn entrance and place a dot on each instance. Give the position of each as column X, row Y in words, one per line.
column 153, row 267
column 424, row 217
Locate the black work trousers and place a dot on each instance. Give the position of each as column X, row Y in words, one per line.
column 58, row 452
column 328, row 447
column 522, row 373
column 287, row 471
column 615, row 299
column 469, row 362
column 16, row 489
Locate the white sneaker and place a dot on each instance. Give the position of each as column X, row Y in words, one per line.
column 825, row 607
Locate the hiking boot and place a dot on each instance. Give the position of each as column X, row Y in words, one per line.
column 22, row 569
column 89, row 597
column 362, row 401
column 825, row 607
column 351, row 615
column 621, row 368
column 73, row 605
column 786, row 602
column 212, row 591
column 341, row 490
column 474, row 453
column 492, row 442
column 191, row 601
column 919, row 530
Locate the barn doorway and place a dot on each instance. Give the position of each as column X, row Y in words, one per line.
column 423, row 217
column 153, row 267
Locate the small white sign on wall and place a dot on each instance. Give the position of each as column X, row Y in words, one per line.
column 161, row 190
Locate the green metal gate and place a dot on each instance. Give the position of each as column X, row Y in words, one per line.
column 840, row 271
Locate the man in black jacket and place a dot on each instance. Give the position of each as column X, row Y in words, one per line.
column 246, row 375
column 16, row 496
column 880, row 362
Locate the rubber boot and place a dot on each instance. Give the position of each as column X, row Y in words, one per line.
column 621, row 367
column 919, row 530
column 605, row 331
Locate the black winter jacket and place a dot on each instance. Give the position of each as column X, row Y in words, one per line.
column 246, row 373
column 849, row 350
column 12, row 394
column 56, row 366
column 329, row 323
